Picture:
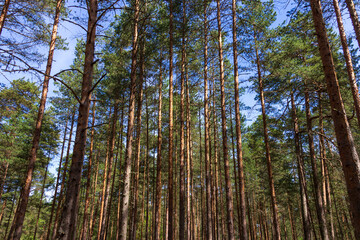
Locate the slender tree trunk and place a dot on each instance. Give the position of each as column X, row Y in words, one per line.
column 105, row 174
column 274, row 206
column 10, row 215
column 48, row 233
column 318, row 197
column 119, row 149
column 217, row 198
column 235, row 172
column 59, row 205
column 3, row 14
column 201, row 182
column 146, row 178
column 170, row 161
column 348, row 154
column 175, row 185
column 188, row 158
column 2, row 211
column 229, row 195
column 157, row 215
column 41, row 199
column 84, row 231
column 16, row 228
column 208, row 180
column 325, row 177
column 354, row 18
column 349, row 65
column 91, row 219
column 182, row 218
column 138, row 135
column 70, row 210
column 118, row 215
column 242, row 223
column 109, row 170
column 301, row 174
column 129, row 137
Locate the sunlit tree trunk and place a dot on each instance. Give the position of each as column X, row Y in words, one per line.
column 207, row 128
column 349, row 65
column 354, row 18
column 109, row 169
column 318, row 196
column 129, row 135
column 274, row 206
column 301, row 174
column 85, row 225
column 41, row 199
column 48, row 232
column 157, row 211
column 242, row 202
column 182, row 218
column 62, row 186
column 3, row 14
column 229, row 195
column 170, row 160
column 348, row 154
column 137, row 144
column 70, row 209
column 16, row 228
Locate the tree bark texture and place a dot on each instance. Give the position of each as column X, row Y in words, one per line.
column 348, row 154
column 70, row 209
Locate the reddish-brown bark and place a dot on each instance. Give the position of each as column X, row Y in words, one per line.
column 68, row 223
column 3, row 14
column 348, row 153
column 229, row 195
column 16, row 228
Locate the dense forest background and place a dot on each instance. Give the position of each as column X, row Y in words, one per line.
column 151, row 131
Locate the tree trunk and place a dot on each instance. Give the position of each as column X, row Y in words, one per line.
column 129, row 135
column 348, row 154
column 16, row 228
column 118, row 215
column 84, row 231
column 182, row 218
column 59, row 205
column 170, row 161
column 138, row 135
column 2, row 211
column 242, row 223
column 3, row 14
column 119, row 149
column 301, row 174
column 325, row 177
column 106, row 200
column 157, row 215
column 229, row 196
column 105, row 174
column 235, row 172
column 318, row 197
column 349, row 65
column 274, row 206
column 70, row 210
column 41, row 199
column 10, row 215
column 208, row 180
column 48, row 233
column 354, row 18
column 189, row 193
column 91, row 219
